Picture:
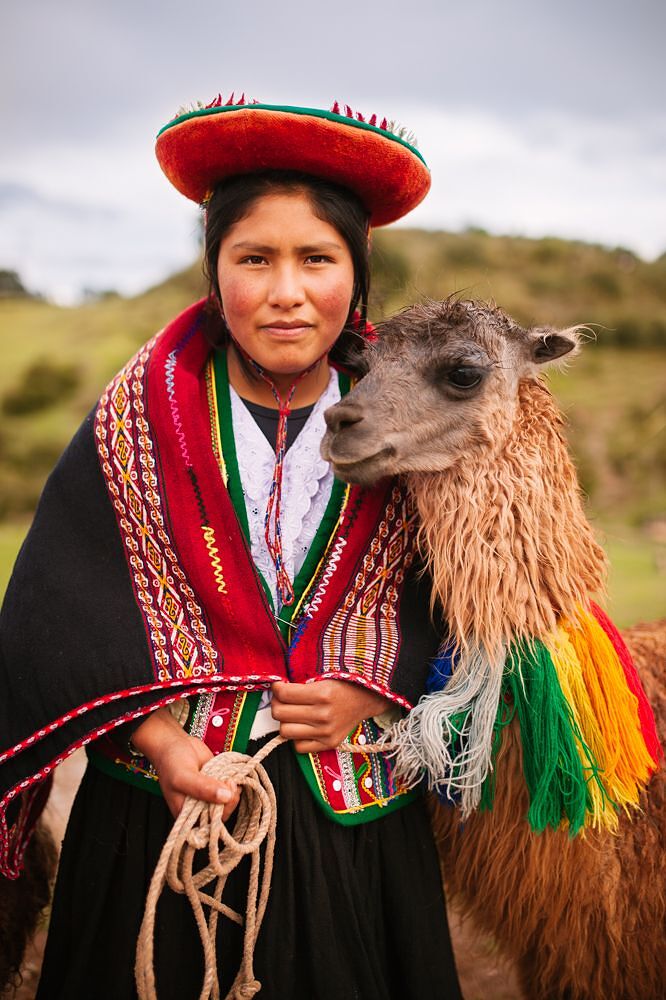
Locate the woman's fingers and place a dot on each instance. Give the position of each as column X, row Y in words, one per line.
column 302, row 731
column 320, row 715
column 307, row 714
column 297, row 694
column 201, row 786
column 231, row 805
column 309, row 746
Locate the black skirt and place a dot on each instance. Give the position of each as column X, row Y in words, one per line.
column 354, row 912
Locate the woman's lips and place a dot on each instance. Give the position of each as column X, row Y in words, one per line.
column 285, row 332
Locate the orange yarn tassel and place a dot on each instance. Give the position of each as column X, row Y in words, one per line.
column 645, row 713
column 616, row 741
column 601, row 812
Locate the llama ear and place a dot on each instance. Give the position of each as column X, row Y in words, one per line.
column 547, row 344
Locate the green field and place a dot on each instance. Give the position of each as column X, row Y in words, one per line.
column 56, row 361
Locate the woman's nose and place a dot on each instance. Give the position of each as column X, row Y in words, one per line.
column 286, row 288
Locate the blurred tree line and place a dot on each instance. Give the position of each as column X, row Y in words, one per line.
column 550, row 280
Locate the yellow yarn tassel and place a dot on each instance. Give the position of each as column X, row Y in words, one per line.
column 615, row 738
column 601, row 812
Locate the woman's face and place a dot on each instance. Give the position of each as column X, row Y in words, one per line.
column 286, row 279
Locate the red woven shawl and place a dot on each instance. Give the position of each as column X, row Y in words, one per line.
column 136, row 587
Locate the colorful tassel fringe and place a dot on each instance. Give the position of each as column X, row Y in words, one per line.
column 449, row 736
column 648, row 726
column 621, row 752
column 600, row 811
column 551, row 761
column 588, row 735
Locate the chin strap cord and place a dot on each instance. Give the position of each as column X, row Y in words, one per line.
column 272, row 519
column 198, row 827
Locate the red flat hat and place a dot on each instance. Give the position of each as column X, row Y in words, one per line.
column 201, row 148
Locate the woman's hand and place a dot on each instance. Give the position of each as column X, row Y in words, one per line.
column 320, row 715
column 178, row 759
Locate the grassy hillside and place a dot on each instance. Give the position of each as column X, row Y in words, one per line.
column 545, row 281
column 56, row 361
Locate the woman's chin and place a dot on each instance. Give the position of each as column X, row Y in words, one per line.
column 286, row 358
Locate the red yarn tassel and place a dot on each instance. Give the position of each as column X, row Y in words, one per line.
column 348, row 111
column 336, row 108
column 645, row 715
column 231, row 100
column 373, row 120
column 384, row 125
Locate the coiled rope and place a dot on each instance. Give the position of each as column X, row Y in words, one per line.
column 199, row 825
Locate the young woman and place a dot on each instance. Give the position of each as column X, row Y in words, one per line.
column 196, row 580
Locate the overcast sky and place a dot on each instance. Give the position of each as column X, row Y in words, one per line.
column 535, row 117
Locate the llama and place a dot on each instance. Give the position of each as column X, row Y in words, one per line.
column 453, row 399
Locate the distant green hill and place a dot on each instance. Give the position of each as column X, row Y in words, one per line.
column 57, row 360
column 545, row 281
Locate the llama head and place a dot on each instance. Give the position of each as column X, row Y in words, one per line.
column 441, row 386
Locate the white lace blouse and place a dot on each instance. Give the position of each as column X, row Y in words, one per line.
column 306, row 489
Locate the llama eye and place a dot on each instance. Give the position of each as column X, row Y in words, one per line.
column 464, row 378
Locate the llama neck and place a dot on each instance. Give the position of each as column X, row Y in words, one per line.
column 504, row 533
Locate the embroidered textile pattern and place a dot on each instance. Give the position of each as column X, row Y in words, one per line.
column 320, row 584
column 213, row 552
column 12, row 842
column 174, row 621
column 214, row 420
column 329, row 570
column 201, row 715
column 350, row 782
column 363, row 635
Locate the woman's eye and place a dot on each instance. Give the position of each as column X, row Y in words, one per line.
column 463, row 378
column 253, row 259
column 317, row 258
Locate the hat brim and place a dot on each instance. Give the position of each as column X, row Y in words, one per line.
column 201, row 149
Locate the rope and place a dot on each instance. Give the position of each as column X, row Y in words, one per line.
column 199, row 825
column 273, row 516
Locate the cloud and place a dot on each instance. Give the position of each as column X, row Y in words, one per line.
column 556, row 175
column 16, row 195
column 76, row 69
column 101, row 218
column 62, row 256
column 535, row 118
column 560, row 175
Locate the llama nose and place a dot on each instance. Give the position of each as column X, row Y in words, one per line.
column 341, row 416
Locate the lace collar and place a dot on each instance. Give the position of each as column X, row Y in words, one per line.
column 306, row 487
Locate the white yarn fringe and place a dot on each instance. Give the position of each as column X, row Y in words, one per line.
column 424, row 740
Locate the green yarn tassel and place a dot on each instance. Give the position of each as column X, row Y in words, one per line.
column 551, row 762
column 505, row 713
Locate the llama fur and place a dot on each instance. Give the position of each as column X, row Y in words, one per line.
column 509, row 549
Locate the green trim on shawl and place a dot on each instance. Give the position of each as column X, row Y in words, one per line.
column 304, row 579
column 223, row 397
column 328, row 522
column 225, row 426
column 248, row 713
column 124, row 772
